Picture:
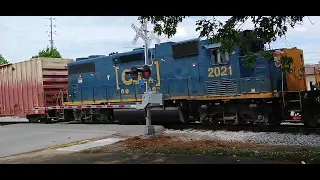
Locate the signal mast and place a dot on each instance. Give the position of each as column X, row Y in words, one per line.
column 149, row 98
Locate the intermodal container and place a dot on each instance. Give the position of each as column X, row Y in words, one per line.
column 33, row 83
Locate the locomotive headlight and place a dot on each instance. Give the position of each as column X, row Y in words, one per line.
column 194, row 64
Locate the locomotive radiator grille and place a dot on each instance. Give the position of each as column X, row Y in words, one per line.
column 222, row 87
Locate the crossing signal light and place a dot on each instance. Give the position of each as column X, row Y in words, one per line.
column 146, row 72
column 133, row 73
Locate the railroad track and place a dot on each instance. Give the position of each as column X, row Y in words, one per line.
column 294, row 129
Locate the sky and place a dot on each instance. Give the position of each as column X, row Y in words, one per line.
column 80, row 36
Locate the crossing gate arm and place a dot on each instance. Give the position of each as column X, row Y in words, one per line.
column 88, row 107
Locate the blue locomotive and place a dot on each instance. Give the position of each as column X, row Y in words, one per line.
column 198, row 82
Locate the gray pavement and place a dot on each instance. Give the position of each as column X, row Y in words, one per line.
column 21, row 138
column 13, row 119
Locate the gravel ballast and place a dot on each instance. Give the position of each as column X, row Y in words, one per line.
column 267, row 138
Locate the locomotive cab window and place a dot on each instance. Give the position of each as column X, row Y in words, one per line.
column 218, row 57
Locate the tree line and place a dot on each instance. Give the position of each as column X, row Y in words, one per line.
column 46, row 52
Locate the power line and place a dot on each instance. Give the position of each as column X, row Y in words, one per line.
column 51, row 32
column 309, row 53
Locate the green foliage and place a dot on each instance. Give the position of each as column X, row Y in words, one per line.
column 286, row 63
column 3, row 60
column 266, row 29
column 48, row 52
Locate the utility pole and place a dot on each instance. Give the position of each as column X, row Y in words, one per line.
column 51, row 31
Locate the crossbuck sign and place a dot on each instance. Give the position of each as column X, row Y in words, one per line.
column 140, row 34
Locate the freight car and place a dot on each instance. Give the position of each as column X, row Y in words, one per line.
column 197, row 82
column 35, row 82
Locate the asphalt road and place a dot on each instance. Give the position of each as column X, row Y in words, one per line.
column 22, row 138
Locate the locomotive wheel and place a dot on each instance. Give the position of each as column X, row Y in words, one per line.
column 184, row 115
column 211, row 119
column 33, row 119
column 46, row 120
column 274, row 119
column 312, row 121
column 206, row 119
column 311, row 117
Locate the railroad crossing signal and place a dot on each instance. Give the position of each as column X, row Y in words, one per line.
column 153, row 37
column 134, row 72
column 141, row 34
column 149, row 98
column 145, row 72
column 141, row 29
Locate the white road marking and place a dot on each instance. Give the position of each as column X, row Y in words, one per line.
column 90, row 145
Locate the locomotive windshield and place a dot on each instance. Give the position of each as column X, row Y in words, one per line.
column 219, row 57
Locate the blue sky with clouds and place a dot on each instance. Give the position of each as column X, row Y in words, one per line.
column 22, row 37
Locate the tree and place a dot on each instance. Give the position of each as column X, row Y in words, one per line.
column 265, row 28
column 48, row 52
column 3, row 60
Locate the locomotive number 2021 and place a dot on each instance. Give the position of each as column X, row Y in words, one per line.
column 219, row 71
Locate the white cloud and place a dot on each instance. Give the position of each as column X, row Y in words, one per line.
column 181, row 32
column 23, row 37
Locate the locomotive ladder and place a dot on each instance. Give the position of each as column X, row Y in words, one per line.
column 290, row 105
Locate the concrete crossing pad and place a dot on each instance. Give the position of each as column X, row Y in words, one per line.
column 89, row 145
